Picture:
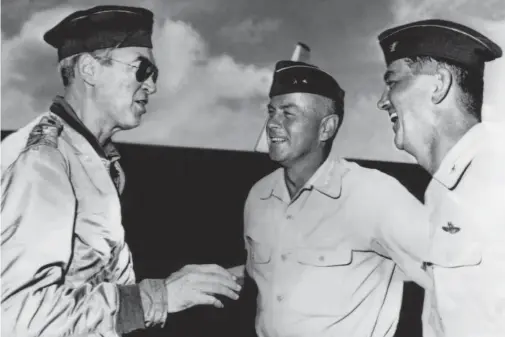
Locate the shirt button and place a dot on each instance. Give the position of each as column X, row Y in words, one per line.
column 284, row 257
column 321, row 258
column 289, row 217
column 280, row 298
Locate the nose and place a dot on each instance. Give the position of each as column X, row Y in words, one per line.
column 274, row 121
column 150, row 86
column 384, row 103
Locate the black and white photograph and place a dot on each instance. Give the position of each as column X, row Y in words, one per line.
column 282, row 168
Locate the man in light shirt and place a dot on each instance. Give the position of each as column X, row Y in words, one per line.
column 328, row 241
column 434, row 96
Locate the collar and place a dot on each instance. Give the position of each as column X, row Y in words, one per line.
column 327, row 180
column 460, row 156
column 62, row 109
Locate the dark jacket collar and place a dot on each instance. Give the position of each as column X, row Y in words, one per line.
column 62, row 109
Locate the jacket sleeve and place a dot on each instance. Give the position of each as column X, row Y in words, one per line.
column 38, row 211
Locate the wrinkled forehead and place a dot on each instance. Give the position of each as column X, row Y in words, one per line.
column 286, row 99
column 295, row 99
column 398, row 67
column 131, row 53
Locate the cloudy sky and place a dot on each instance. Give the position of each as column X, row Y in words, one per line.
column 216, row 59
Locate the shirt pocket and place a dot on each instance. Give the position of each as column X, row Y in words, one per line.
column 454, row 241
column 455, row 256
column 452, row 250
column 259, row 258
column 320, row 287
column 324, row 257
column 260, row 253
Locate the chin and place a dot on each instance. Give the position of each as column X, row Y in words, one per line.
column 399, row 140
column 131, row 124
column 275, row 156
column 399, row 145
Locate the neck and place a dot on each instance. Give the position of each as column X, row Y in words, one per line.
column 92, row 118
column 297, row 175
column 446, row 140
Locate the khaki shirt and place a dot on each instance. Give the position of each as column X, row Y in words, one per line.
column 466, row 199
column 63, row 250
column 322, row 261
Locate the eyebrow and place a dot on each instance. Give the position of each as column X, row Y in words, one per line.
column 284, row 106
column 141, row 58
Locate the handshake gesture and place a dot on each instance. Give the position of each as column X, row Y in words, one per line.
column 199, row 284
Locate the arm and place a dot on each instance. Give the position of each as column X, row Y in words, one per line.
column 248, row 296
column 38, row 213
column 401, row 229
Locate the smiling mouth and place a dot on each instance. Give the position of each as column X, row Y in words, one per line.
column 394, row 117
column 277, row 140
column 142, row 102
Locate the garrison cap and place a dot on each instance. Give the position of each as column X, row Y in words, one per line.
column 101, row 27
column 440, row 39
column 296, row 76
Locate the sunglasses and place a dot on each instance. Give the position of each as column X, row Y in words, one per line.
column 145, row 69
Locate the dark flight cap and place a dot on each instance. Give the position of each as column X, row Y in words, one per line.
column 101, row 27
column 296, row 76
column 439, row 39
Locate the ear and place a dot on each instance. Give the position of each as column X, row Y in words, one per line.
column 444, row 80
column 328, row 127
column 88, row 68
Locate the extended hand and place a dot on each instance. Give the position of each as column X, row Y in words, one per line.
column 198, row 284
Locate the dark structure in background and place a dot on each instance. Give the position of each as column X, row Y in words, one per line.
column 184, row 206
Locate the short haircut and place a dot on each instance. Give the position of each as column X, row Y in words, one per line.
column 471, row 82
column 67, row 65
column 328, row 106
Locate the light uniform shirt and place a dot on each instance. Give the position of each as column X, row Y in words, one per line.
column 320, row 260
column 466, row 199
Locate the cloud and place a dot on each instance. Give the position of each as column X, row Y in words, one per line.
column 28, row 70
column 250, row 31
column 202, row 100
column 408, row 10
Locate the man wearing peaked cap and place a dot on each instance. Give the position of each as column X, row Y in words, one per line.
column 434, row 97
column 324, row 236
column 66, row 269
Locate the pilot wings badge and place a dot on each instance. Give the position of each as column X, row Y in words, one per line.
column 450, row 228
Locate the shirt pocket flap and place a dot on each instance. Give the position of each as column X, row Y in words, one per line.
column 325, row 257
column 453, row 247
column 259, row 252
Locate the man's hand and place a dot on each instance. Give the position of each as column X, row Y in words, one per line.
column 198, row 284
column 239, row 273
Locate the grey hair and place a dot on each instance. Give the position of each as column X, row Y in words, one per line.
column 66, row 67
column 471, row 82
